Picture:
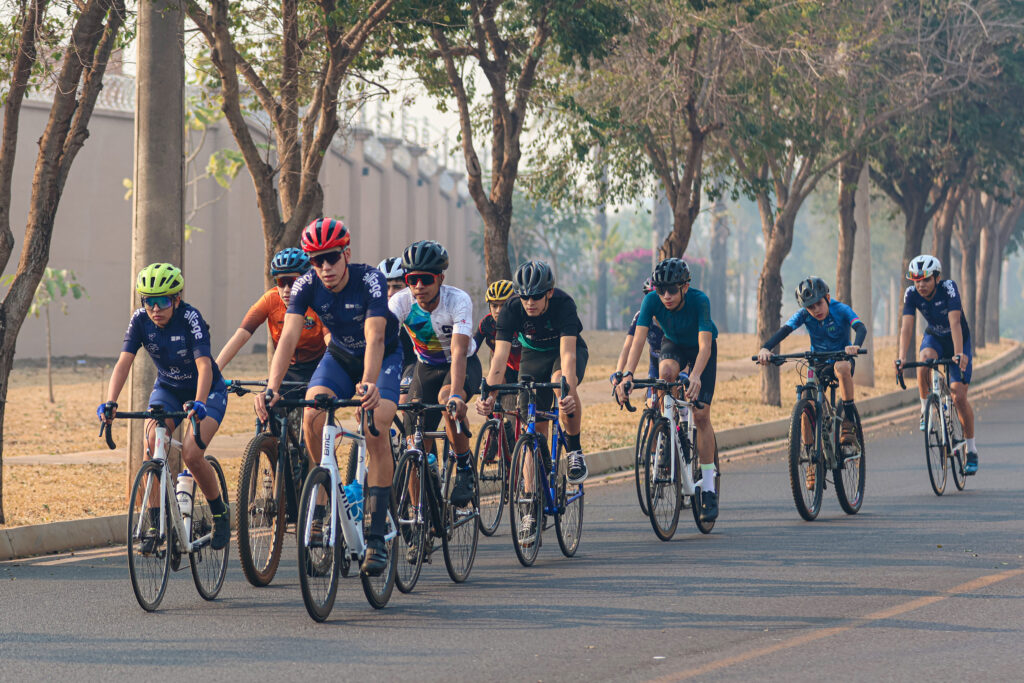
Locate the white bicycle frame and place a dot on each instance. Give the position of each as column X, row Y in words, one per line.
column 678, row 412
column 944, row 411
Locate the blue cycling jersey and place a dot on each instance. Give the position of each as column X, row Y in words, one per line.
column 682, row 325
column 173, row 348
column 832, row 333
column 945, row 298
column 654, row 335
column 344, row 313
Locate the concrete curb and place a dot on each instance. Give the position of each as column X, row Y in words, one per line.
column 42, row 539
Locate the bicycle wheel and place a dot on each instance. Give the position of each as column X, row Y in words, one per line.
column 412, row 527
column 348, row 462
column 261, row 510
column 462, row 531
column 526, row 500
column 956, row 458
column 569, row 518
column 319, row 563
column 850, row 475
column 639, row 454
column 490, row 475
column 702, row 526
column 934, row 448
column 664, row 494
column 378, row 589
column 209, row 566
column 803, row 459
column 149, row 562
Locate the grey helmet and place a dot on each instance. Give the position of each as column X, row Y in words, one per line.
column 811, row 291
column 425, row 255
column 671, row 271
column 533, row 278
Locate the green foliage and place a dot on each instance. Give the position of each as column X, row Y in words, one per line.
column 55, row 285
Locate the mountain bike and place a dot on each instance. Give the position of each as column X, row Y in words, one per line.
column 538, row 478
column 815, row 412
column 671, row 462
column 494, row 457
column 152, row 504
column 331, row 528
column 424, row 509
column 944, row 446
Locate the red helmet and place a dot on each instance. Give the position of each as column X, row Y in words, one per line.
column 325, row 233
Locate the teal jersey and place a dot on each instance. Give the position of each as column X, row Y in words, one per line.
column 681, row 326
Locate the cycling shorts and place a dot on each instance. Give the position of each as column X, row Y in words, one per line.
column 299, row 372
column 173, row 399
column 541, row 365
column 944, row 347
column 427, row 381
column 828, row 371
column 685, row 356
column 339, row 372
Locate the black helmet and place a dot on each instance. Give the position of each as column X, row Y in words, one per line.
column 533, row 278
column 811, row 291
column 426, row 255
column 671, row 271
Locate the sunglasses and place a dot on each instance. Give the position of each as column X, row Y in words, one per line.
column 330, row 258
column 533, row 297
column 285, row 281
column 667, row 289
column 426, row 279
column 157, row 302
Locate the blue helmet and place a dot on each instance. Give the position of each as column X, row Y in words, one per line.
column 289, row 260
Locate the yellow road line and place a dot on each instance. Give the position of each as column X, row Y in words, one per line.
column 818, row 634
column 77, row 557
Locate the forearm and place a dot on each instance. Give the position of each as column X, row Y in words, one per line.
column 860, row 333
column 374, row 331
column 703, row 354
column 204, row 366
column 234, row 345
column 460, row 345
column 635, row 349
column 119, row 375
column 777, row 338
column 905, row 328
column 624, row 354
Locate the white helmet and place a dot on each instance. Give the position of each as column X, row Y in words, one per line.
column 922, row 267
column 392, row 268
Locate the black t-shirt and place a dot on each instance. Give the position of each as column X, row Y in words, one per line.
column 543, row 332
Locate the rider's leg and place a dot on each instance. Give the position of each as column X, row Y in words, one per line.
column 963, row 407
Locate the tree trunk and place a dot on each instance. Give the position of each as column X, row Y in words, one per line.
column 602, row 270
column 861, row 295
column 969, row 281
column 849, row 176
column 719, row 267
column 49, row 354
column 987, row 263
column 942, row 226
column 769, row 312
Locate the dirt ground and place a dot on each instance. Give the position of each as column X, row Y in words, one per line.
column 34, row 494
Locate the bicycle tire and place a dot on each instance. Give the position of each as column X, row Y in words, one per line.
column 348, row 463
column 702, row 526
column 850, row 480
column 209, row 567
column 639, row 453
column 462, row 531
column 569, row 518
column 664, row 495
column 319, row 563
column 378, row 589
column 522, row 502
column 148, row 571
column 261, row 519
column 956, row 458
column 411, row 526
column 934, row 449
column 490, row 476
column 801, row 459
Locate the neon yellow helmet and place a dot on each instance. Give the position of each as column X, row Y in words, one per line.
column 499, row 290
column 158, row 279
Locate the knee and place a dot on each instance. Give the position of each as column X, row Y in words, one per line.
column 191, row 456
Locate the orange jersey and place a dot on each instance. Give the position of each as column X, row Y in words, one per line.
column 270, row 308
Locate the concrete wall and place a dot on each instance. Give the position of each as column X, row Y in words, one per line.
column 384, row 198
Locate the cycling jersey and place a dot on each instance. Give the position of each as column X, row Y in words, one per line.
column 431, row 331
column 485, row 334
column 654, row 335
column 173, row 348
column 543, row 332
column 270, row 308
column 680, row 326
column 832, row 333
column 945, row 298
column 344, row 313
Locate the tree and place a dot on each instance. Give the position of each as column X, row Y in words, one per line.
column 83, row 35
column 511, row 42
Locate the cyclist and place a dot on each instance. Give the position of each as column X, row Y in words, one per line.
column 654, row 337
column 689, row 342
column 362, row 357
column 395, row 274
column 177, row 338
column 545, row 322
column 286, row 266
column 828, row 324
column 498, row 293
column 947, row 335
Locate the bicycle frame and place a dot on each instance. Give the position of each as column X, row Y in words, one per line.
column 551, row 506
column 940, row 390
column 677, row 413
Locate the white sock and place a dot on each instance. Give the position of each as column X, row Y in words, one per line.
column 971, row 448
column 924, row 405
column 707, row 484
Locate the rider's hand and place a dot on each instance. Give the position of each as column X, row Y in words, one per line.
column 485, row 406
column 262, row 403
column 370, row 394
column 899, row 363
column 693, row 389
column 102, row 408
column 615, row 379
column 623, row 388
column 763, row 356
column 567, row 405
column 962, row 361
column 460, row 406
column 197, row 408
column 852, row 350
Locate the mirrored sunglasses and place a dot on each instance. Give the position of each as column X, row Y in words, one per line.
column 157, row 302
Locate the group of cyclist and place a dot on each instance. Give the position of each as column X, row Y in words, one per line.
column 345, row 329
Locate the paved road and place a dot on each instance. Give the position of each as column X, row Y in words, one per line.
column 914, row 587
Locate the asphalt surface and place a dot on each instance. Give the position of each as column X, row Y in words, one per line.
column 914, row 587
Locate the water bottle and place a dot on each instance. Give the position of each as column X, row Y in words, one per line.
column 185, row 493
column 354, row 500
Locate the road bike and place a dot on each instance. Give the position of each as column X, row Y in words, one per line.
column 648, row 417
column 494, row 458
column 160, row 537
column 424, row 509
column 815, row 412
column 671, row 462
column 538, row 483
column 331, row 527
column 944, row 446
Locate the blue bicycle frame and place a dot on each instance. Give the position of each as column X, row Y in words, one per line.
column 550, row 501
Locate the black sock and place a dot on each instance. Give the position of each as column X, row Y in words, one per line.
column 573, row 442
column 217, row 506
column 154, row 517
column 462, row 460
column 848, row 409
column 377, row 500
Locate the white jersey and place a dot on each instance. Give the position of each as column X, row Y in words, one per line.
column 431, row 332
